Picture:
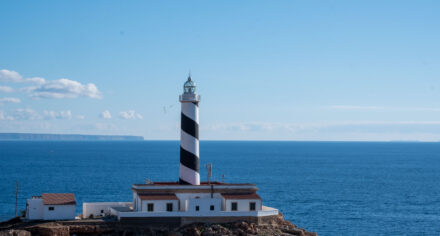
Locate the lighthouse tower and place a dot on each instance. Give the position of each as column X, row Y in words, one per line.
column 189, row 172
column 172, row 204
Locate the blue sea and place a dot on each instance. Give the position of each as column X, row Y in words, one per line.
column 332, row 188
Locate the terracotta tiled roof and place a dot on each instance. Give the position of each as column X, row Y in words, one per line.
column 58, row 198
column 158, row 197
column 241, row 196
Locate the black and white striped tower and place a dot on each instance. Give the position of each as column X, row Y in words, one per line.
column 189, row 172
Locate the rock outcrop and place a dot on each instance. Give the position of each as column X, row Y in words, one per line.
column 242, row 228
column 13, row 232
column 277, row 226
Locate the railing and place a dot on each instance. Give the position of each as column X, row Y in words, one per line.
column 189, row 97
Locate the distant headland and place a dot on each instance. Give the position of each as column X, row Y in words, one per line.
column 66, row 137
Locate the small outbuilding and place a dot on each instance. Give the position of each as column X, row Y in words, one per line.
column 51, row 206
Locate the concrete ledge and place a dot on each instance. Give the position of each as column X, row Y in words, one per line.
column 181, row 221
column 142, row 214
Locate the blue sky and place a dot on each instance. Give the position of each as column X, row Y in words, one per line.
column 266, row 70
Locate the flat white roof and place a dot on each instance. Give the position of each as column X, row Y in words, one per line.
column 195, row 187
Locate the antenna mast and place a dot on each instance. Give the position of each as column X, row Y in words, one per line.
column 209, row 168
column 16, row 197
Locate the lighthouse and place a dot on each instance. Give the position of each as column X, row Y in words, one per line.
column 173, row 204
column 189, row 171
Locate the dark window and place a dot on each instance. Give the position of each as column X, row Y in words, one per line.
column 169, row 206
column 51, row 208
column 233, row 206
column 102, row 211
column 150, row 207
column 252, row 206
column 197, row 208
column 211, row 207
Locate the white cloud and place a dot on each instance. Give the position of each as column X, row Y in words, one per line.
column 331, row 131
column 30, row 114
column 349, row 107
column 42, row 88
column 380, row 108
column 9, row 100
column 10, row 76
column 6, row 89
column 59, row 115
column 105, row 114
column 26, row 114
column 36, row 80
column 15, row 77
column 130, row 115
column 64, row 88
column 257, row 127
column 417, row 109
column 105, row 127
column 80, row 117
column 27, row 89
column 5, row 117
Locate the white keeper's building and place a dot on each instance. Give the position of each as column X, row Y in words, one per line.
column 187, row 200
column 51, row 206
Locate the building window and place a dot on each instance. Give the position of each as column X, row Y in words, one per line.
column 233, row 206
column 51, row 208
column 197, row 208
column 150, row 207
column 169, row 206
column 211, row 207
column 102, row 211
column 252, row 206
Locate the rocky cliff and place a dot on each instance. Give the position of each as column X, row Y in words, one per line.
column 277, row 226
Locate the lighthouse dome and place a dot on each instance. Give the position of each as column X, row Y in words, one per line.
column 189, row 87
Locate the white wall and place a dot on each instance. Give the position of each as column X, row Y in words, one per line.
column 184, row 197
column 204, row 204
column 60, row 212
column 267, row 211
column 242, row 204
column 188, row 201
column 101, row 208
column 159, row 205
column 136, row 202
column 34, row 209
